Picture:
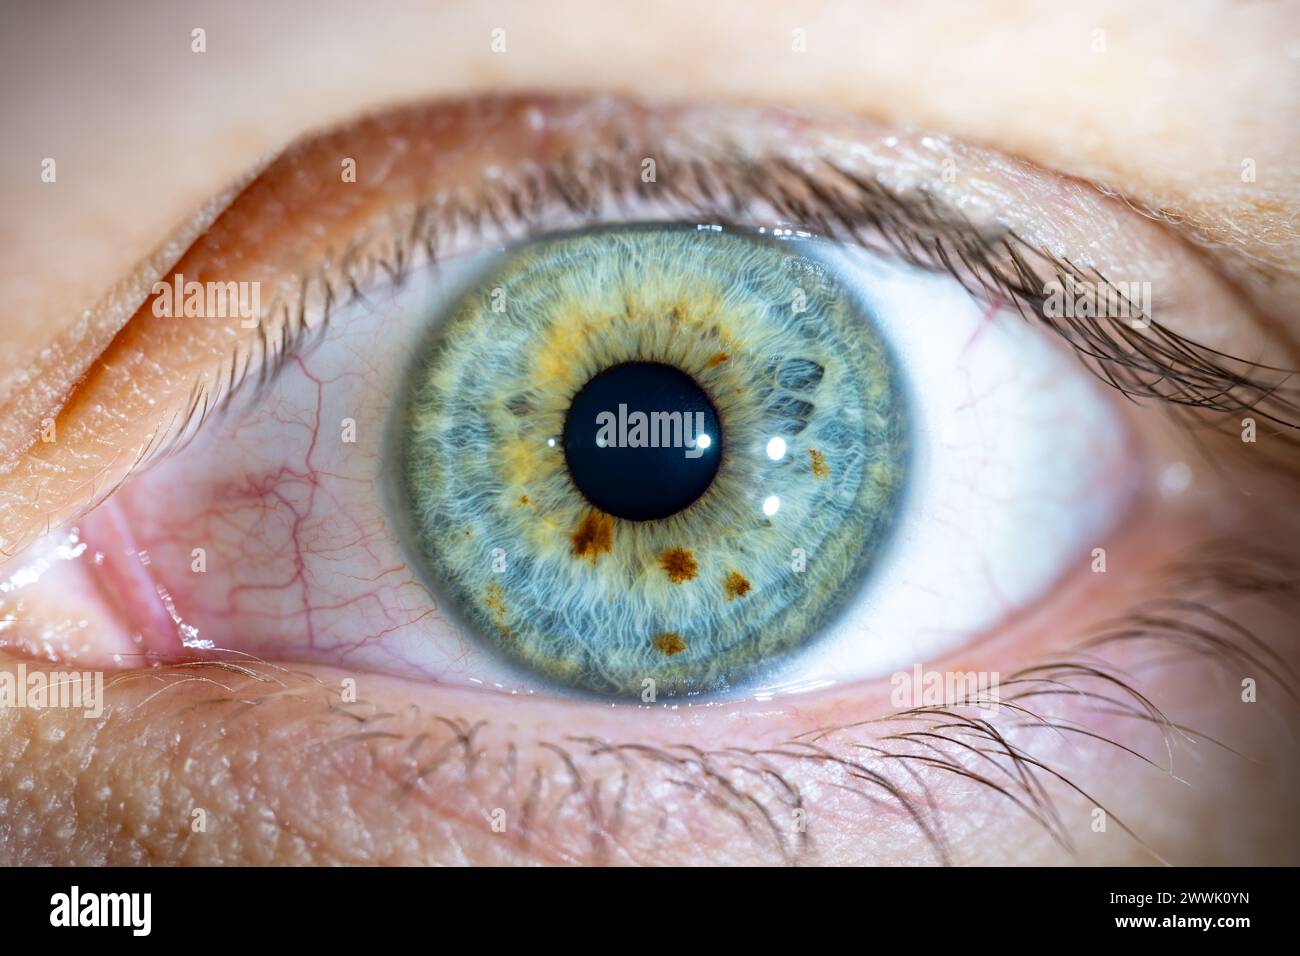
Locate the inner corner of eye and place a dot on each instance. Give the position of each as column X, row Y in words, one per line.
column 669, row 461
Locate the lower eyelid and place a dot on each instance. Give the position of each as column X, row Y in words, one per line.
column 426, row 774
column 423, row 787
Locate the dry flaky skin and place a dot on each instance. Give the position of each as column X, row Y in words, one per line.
column 293, row 777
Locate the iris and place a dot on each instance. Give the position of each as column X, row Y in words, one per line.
column 652, row 457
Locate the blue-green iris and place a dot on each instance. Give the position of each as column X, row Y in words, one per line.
column 814, row 432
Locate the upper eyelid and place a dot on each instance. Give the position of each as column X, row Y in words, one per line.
column 386, row 233
column 918, row 226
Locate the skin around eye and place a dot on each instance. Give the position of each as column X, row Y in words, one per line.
column 288, row 504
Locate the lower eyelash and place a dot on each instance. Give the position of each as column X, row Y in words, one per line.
column 895, row 763
column 956, row 739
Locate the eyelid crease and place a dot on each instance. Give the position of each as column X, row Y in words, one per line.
column 719, row 180
column 43, row 386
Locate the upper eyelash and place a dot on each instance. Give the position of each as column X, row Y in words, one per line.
column 997, row 265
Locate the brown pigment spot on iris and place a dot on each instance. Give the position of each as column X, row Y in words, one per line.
column 736, row 585
column 495, row 599
column 594, row 537
column 523, row 499
column 670, row 643
column 679, row 564
column 718, row 359
column 819, row 468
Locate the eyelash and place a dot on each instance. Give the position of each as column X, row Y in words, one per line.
column 994, row 265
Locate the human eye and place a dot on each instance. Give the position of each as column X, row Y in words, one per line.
column 967, row 418
column 879, row 423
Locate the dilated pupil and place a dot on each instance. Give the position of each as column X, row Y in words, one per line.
column 628, row 440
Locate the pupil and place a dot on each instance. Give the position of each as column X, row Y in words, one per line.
column 628, row 440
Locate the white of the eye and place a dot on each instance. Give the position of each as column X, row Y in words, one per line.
column 1020, row 469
